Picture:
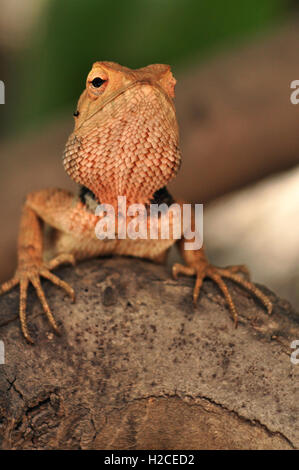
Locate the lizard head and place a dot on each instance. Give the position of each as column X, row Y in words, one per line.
column 125, row 140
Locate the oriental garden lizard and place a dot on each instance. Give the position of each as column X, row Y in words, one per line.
column 125, row 143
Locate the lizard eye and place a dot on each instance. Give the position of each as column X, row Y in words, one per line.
column 97, row 82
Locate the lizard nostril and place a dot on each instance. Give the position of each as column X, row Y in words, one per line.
column 76, row 114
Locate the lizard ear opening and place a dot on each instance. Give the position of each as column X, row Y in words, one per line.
column 168, row 82
column 161, row 74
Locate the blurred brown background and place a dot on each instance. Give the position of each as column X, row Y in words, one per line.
column 234, row 62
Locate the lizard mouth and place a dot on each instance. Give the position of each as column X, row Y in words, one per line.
column 120, row 92
column 107, row 101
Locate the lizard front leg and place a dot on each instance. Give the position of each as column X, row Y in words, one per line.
column 60, row 210
column 31, row 267
column 198, row 265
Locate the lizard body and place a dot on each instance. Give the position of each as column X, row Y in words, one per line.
column 125, row 143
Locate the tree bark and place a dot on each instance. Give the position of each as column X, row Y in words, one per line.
column 137, row 367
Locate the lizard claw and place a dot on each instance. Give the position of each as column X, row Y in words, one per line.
column 217, row 274
column 33, row 273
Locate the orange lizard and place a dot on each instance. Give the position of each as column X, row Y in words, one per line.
column 125, row 142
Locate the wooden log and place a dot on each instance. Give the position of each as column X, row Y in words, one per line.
column 138, row 367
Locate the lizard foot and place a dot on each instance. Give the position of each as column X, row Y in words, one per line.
column 32, row 273
column 217, row 274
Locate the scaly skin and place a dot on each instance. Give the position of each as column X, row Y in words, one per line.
column 125, row 142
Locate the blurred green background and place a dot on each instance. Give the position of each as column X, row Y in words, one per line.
column 48, row 51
